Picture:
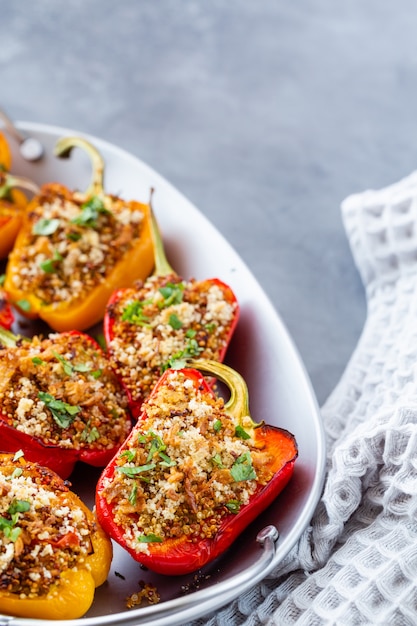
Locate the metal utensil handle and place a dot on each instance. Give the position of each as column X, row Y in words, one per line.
column 267, row 538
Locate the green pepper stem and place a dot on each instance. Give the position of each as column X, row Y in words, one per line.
column 162, row 267
column 7, row 338
column 63, row 148
column 238, row 403
column 8, row 182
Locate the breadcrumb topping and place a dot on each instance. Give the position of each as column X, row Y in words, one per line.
column 187, row 466
column 164, row 319
column 61, row 390
column 42, row 532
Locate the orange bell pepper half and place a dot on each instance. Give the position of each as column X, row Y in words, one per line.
column 74, row 249
column 45, row 576
column 194, row 472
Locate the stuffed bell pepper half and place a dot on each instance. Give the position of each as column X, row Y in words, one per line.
column 193, row 473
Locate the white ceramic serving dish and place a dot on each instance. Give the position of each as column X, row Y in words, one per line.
column 261, row 350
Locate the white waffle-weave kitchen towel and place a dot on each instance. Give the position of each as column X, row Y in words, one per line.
column 357, row 561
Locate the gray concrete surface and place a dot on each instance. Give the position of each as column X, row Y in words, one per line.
column 265, row 114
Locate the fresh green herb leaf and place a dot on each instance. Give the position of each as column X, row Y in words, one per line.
column 49, row 266
column 45, row 226
column 174, row 321
column 133, row 313
column 133, row 495
column 210, row 328
column 96, row 373
column 242, row 468
column 156, row 446
column 90, row 434
column 90, row 212
column 18, row 455
column 62, row 412
column 24, row 305
column 172, row 294
column 217, row 426
column 241, row 432
column 166, row 461
column 131, row 472
column 151, row 538
column 179, row 359
column 37, row 360
column 129, row 455
column 68, row 367
column 72, row 236
column 217, row 460
column 233, row 506
column 2, row 279
column 18, row 506
column 191, row 333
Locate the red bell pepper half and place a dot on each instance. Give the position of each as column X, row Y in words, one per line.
column 193, row 473
column 6, row 312
column 164, row 321
column 60, row 402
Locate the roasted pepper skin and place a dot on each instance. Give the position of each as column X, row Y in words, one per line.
column 182, row 556
column 58, row 459
column 6, row 312
column 73, row 596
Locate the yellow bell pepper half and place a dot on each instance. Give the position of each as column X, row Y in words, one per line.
column 73, row 595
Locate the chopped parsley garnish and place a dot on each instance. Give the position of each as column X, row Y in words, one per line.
column 175, row 322
column 38, row 361
column 70, row 368
column 151, row 538
column 217, row 426
column 131, row 472
column 90, row 212
column 217, row 460
column 45, row 226
column 179, row 359
column 241, row 432
column 233, row 506
column 133, row 495
column 8, row 526
column 133, row 313
column 24, row 305
column 242, row 468
column 62, row 412
column 90, row 434
column 49, row 266
column 172, row 294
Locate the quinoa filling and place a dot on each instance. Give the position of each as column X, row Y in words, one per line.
column 187, row 466
column 42, row 533
column 61, row 390
column 163, row 320
column 72, row 245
